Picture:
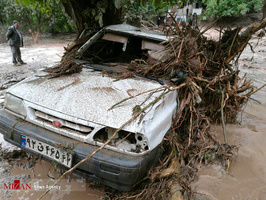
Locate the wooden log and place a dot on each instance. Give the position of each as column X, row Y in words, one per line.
column 245, row 37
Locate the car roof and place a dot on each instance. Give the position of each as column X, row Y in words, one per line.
column 128, row 30
column 136, row 31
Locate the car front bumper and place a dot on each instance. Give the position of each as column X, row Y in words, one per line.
column 114, row 169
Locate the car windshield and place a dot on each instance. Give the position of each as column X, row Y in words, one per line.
column 114, row 48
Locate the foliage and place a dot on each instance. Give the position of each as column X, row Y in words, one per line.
column 3, row 17
column 232, row 7
column 147, row 12
column 96, row 13
column 59, row 21
column 34, row 19
column 92, row 14
column 43, row 5
column 21, row 13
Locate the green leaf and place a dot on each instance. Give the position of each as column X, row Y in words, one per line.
column 93, row 12
column 118, row 3
column 101, row 20
column 26, row 3
column 157, row 3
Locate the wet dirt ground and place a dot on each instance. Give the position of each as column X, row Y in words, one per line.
column 246, row 178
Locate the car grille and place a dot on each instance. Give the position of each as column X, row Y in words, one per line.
column 67, row 127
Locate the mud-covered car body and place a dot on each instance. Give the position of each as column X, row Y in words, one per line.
column 64, row 119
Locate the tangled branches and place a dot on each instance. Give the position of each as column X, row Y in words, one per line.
column 213, row 92
column 210, row 91
column 67, row 66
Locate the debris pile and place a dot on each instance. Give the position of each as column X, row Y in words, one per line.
column 212, row 91
column 67, row 66
column 206, row 75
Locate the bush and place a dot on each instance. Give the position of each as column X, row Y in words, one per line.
column 232, row 7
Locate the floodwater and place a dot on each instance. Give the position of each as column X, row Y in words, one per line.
column 246, row 177
column 42, row 177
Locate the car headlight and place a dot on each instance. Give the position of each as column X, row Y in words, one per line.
column 15, row 104
column 123, row 140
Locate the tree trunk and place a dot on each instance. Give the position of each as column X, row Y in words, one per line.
column 81, row 12
column 74, row 9
column 246, row 35
column 264, row 10
column 112, row 15
column 37, row 34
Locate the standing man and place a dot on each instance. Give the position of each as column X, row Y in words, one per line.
column 15, row 41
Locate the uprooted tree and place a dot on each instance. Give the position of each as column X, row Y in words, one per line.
column 205, row 73
column 213, row 92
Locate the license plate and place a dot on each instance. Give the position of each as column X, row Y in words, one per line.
column 56, row 154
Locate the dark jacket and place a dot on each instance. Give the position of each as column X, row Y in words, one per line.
column 13, row 37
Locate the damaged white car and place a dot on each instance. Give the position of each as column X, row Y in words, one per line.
column 66, row 118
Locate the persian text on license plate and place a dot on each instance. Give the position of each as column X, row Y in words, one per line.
column 56, row 154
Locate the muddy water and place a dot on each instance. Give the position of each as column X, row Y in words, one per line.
column 41, row 177
column 246, row 178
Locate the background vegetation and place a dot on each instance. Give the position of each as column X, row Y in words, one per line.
column 232, row 8
column 35, row 20
column 41, row 16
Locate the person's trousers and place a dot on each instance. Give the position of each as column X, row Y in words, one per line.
column 16, row 54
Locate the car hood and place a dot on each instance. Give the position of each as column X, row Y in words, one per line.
column 87, row 95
